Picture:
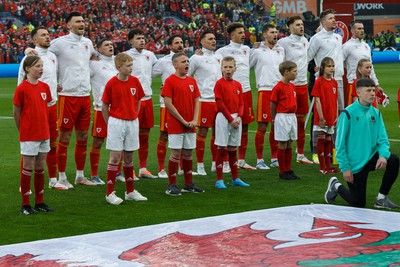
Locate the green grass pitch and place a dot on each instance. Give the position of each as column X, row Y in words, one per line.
column 83, row 209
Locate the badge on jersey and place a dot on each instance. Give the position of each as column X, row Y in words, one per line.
column 148, row 58
column 65, row 120
column 265, row 116
column 133, row 91
column 44, row 96
column 191, row 87
column 334, row 90
column 203, row 120
column 98, row 130
column 238, row 92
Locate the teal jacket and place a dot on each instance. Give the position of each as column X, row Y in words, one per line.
column 360, row 134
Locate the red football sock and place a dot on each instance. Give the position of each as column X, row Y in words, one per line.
column 120, row 165
column 25, row 181
column 233, row 164
column 288, row 159
column 94, row 160
column 161, row 154
column 328, row 151
column 320, row 151
column 51, row 159
column 213, row 147
column 301, row 135
column 259, row 143
column 144, row 148
column 243, row 145
column 282, row 160
column 273, row 144
column 62, row 153
column 80, row 154
column 111, row 175
column 38, row 181
column 128, row 172
column 173, row 164
column 200, row 145
column 187, row 163
column 219, row 162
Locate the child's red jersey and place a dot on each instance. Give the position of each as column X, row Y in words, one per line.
column 327, row 91
column 123, row 97
column 284, row 95
column 33, row 99
column 183, row 92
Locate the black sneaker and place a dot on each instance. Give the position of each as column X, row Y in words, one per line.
column 192, row 188
column 43, row 207
column 27, row 210
column 173, row 190
column 291, row 173
column 286, row 176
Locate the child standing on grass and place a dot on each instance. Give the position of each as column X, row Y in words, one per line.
column 325, row 92
column 181, row 96
column 121, row 104
column 228, row 123
column 30, row 114
column 283, row 111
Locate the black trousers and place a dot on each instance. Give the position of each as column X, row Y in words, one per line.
column 356, row 194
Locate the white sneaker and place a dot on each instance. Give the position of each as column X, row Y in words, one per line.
column 120, row 177
column 226, row 168
column 247, row 166
column 113, row 199
column 180, row 171
column 163, row 174
column 274, row 163
column 66, row 183
column 200, row 169
column 261, row 165
column 303, row 159
column 213, row 167
column 84, row 181
column 57, row 186
column 135, row 195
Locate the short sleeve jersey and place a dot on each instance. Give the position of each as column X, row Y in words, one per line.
column 183, row 92
column 284, row 95
column 123, row 97
column 327, row 91
column 230, row 92
column 33, row 100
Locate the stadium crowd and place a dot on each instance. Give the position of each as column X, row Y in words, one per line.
column 113, row 19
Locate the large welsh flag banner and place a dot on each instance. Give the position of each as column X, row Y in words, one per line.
column 307, row 235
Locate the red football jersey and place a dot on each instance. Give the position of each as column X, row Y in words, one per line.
column 327, row 91
column 284, row 95
column 33, row 99
column 123, row 97
column 183, row 92
column 230, row 92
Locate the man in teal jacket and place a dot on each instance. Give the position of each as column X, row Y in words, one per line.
column 362, row 146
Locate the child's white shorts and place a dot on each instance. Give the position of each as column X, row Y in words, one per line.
column 122, row 135
column 285, row 127
column 225, row 134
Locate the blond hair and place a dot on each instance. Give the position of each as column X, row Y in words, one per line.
column 122, row 58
